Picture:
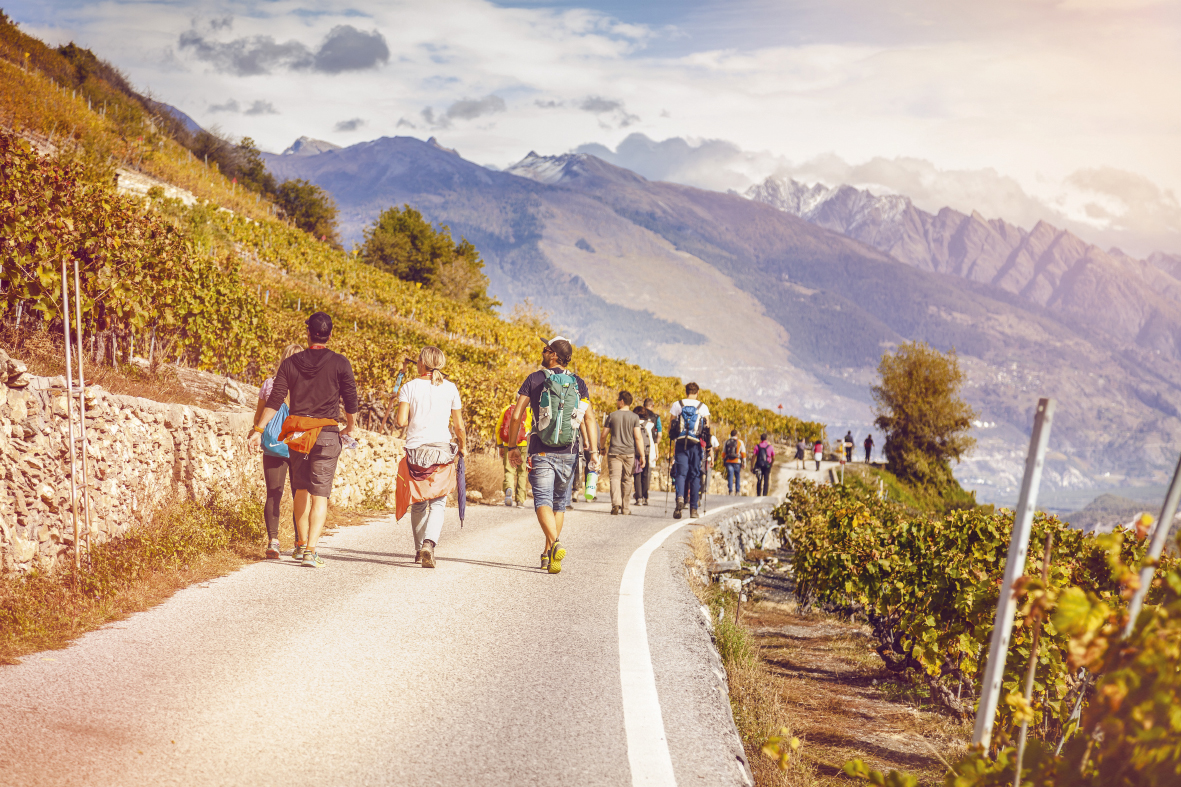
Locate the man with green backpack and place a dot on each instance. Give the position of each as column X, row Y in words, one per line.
column 559, row 402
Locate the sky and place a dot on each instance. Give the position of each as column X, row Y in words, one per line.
column 1028, row 110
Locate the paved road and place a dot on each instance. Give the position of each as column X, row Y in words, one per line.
column 374, row 671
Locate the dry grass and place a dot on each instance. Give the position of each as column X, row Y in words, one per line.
column 485, row 473
column 44, row 354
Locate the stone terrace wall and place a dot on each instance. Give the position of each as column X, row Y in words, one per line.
column 140, row 452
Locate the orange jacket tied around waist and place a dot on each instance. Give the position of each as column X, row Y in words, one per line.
column 300, row 432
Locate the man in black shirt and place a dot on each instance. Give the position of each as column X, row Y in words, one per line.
column 318, row 379
column 551, row 468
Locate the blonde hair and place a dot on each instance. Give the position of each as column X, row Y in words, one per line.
column 434, row 360
column 288, row 351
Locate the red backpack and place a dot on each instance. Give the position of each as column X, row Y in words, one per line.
column 505, row 421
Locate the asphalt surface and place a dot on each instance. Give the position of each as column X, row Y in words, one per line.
column 374, row 671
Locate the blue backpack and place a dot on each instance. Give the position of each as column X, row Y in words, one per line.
column 271, row 444
column 689, row 420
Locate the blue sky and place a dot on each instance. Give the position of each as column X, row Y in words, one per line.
column 1024, row 109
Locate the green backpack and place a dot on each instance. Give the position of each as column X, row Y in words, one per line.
column 556, row 408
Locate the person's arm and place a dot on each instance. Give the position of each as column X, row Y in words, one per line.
column 403, row 416
column 518, row 416
column 460, row 434
column 261, row 419
column 594, row 464
column 349, row 423
column 639, row 437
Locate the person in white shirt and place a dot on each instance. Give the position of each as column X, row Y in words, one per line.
column 688, row 418
column 427, row 406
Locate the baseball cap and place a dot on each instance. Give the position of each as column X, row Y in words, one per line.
column 555, row 339
column 319, row 324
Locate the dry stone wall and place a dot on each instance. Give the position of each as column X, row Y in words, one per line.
column 139, row 452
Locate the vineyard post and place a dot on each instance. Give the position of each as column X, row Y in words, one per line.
column 1159, row 536
column 81, row 405
column 70, row 416
column 1006, row 606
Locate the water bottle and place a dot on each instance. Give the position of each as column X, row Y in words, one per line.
column 592, row 483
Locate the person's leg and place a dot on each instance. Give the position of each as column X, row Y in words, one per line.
column 318, row 516
column 645, row 482
column 520, row 483
column 510, row 478
column 563, row 469
column 616, row 470
column 418, row 517
column 628, row 483
column 321, row 463
column 302, row 516
column 694, row 479
column 541, row 481
column 680, row 472
column 274, row 473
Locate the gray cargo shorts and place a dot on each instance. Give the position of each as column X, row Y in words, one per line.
column 314, row 470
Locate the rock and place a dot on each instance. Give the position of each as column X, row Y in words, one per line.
column 722, row 566
column 475, row 495
column 734, row 585
column 46, row 493
column 23, row 549
column 233, row 393
column 13, row 367
column 21, row 380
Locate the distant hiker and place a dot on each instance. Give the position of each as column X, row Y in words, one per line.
column 275, row 456
column 658, row 427
column 560, row 401
column 818, row 452
column 623, row 445
column 427, row 473
column 516, row 475
column 318, row 379
column 648, row 421
column 733, row 456
column 848, row 445
column 801, row 449
column 689, row 417
column 764, row 458
column 868, row 447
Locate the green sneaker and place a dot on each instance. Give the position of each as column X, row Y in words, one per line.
column 556, row 555
column 545, row 559
column 297, row 553
column 311, row 560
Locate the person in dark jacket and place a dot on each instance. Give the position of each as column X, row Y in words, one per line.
column 868, row 447
column 318, row 379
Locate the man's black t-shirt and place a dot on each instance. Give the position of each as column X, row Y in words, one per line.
column 532, row 388
column 317, row 380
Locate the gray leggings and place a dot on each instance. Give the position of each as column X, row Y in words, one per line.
column 426, row 519
column 274, row 472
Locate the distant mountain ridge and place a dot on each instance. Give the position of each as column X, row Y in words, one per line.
column 773, row 306
column 1134, row 301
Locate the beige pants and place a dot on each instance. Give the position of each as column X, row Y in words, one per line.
column 516, row 478
column 622, row 481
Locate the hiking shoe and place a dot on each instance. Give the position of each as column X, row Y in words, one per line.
column 297, row 553
column 428, row 554
column 418, row 555
column 556, row 555
column 614, row 510
column 645, row 502
column 273, row 549
column 545, row 559
column 311, row 559
column 692, row 513
column 680, row 507
column 508, row 501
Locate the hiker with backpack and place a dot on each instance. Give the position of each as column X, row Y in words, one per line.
column 623, row 446
column 764, row 458
column 868, row 447
column 689, row 416
column 275, row 458
column 318, row 380
column 848, row 446
column 801, row 450
column 733, row 456
column 559, row 402
column 818, row 452
column 516, row 475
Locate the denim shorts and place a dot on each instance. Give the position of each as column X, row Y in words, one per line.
column 549, row 477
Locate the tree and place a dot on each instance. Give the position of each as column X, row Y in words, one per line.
column 405, row 244
column 252, row 171
column 310, row 208
column 918, row 406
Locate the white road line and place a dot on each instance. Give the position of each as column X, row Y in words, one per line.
column 647, row 745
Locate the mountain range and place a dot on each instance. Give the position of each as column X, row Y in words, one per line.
column 790, row 294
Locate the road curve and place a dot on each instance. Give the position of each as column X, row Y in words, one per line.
column 373, row 671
